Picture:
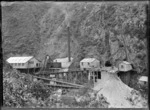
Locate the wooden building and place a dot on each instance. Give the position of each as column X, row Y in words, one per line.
column 53, row 66
column 124, row 66
column 125, row 71
column 24, row 63
column 143, row 80
column 65, row 64
column 89, row 63
column 49, row 65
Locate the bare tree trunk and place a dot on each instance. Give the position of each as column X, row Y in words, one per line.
column 108, row 54
column 126, row 51
column 69, row 52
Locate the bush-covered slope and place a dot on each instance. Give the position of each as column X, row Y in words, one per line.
column 97, row 30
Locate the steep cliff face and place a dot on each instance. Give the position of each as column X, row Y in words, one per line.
column 97, row 29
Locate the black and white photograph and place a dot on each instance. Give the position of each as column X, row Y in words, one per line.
column 75, row 54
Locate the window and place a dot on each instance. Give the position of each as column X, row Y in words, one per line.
column 88, row 63
column 22, row 64
column 15, row 64
column 19, row 64
column 37, row 65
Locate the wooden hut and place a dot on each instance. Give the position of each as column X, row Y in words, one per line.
column 24, row 63
column 143, row 80
column 89, row 63
column 124, row 66
column 124, row 73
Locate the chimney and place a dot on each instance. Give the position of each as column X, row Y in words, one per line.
column 69, row 53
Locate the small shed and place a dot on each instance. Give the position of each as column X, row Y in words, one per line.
column 143, row 80
column 88, row 63
column 125, row 69
column 65, row 64
column 124, row 66
column 24, row 62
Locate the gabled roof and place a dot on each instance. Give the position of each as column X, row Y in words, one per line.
column 143, row 78
column 19, row 59
column 88, row 60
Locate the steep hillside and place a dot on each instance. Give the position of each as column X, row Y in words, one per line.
column 20, row 27
column 97, row 30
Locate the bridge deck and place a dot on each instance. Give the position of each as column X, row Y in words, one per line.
column 62, row 82
column 63, row 86
column 58, row 72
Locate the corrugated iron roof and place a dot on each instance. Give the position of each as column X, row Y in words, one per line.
column 88, row 60
column 143, row 78
column 19, row 59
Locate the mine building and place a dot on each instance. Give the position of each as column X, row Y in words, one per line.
column 24, row 63
column 89, row 63
column 143, row 80
column 65, row 64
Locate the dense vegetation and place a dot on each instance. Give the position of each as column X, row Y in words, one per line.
column 96, row 30
column 20, row 90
